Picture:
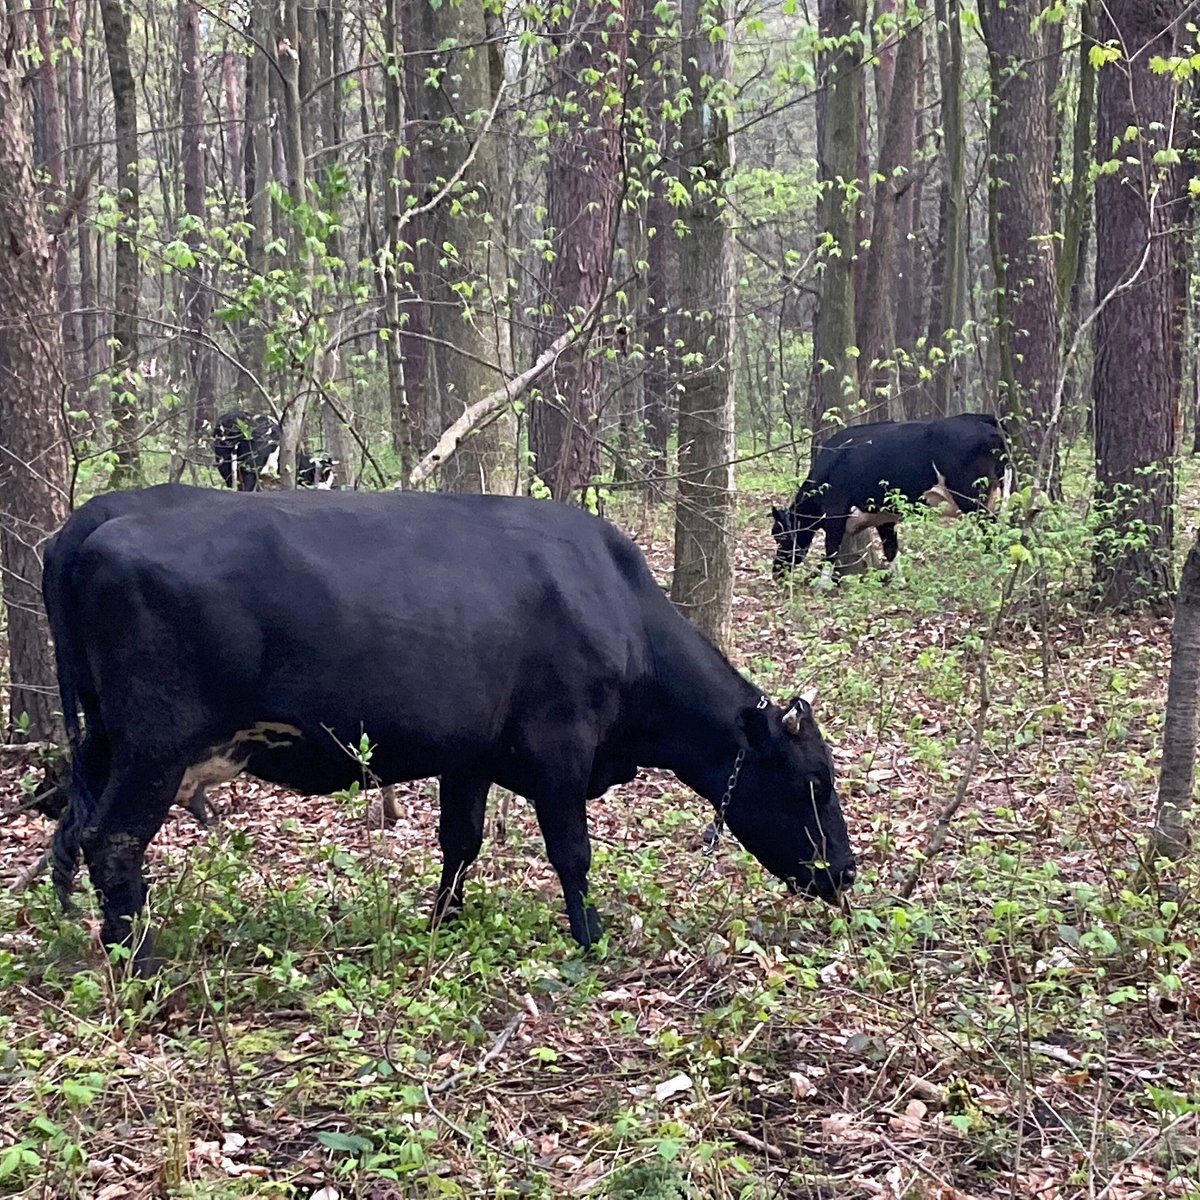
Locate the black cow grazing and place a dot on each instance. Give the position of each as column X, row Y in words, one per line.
column 247, row 448
column 485, row 639
column 953, row 463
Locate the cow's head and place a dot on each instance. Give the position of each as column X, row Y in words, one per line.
column 787, row 548
column 785, row 808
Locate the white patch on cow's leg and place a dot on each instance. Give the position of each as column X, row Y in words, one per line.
column 896, row 571
column 271, row 466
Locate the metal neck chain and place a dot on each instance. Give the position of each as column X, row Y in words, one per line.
column 712, row 837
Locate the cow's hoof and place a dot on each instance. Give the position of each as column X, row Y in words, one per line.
column 595, row 926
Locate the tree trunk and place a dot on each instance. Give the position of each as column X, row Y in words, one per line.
column 1079, row 198
column 946, row 321
column 292, row 52
column 662, row 257
column 1181, row 725
column 196, row 297
column 126, row 269
column 1134, row 386
column 1021, row 229
column 33, row 468
column 835, row 369
column 257, row 158
column 54, row 163
column 702, row 584
column 876, row 337
column 78, row 112
column 910, row 300
column 582, row 188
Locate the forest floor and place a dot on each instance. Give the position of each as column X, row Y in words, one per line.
column 1026, row 1024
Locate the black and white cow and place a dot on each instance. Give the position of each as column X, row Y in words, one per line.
column 246, row 448
column 484, row 639
column 957, row 464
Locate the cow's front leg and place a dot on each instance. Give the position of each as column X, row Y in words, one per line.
column 563, row 822
column 890, row 543
column 463, row 802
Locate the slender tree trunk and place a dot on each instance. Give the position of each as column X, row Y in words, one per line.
column 835, row 366
column 196, row 296
column 33, row 467
column 1134, row 385
column 293, row 50
column 1079, row 198
column 1021, row 228
column 404, row 372
column 662, row 255
column 54, row 162
column 702, row 584
column 126, row 268
column 257, row 158
column 234, row 130
column 461, row 285
column 910, row 301
column 950, row 313
column 876, row 338
column 1181, row 726
column 406, row 105
column 582, row 191
column 77, row 108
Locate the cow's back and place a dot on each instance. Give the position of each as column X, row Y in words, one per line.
column 441, row 619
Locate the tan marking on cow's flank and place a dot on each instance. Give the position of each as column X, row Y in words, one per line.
column 272, row 734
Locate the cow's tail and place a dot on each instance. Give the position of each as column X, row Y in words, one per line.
column 75, row 690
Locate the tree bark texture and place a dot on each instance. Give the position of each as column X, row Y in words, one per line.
column 462, row 269
column 54, row 161
column 1021, row 228
column 835, row 368
column 950, row 310
column 702, row 584
column 1181, row 725
column 1136, row 405
column 1079, row 198
column 293, row 52
column 876, row 335
column 583, row 188
column 196, row 297
column 126, row 268
column 33, row 458
column 79, row 126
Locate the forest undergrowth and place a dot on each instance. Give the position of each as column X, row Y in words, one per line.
column 1026, row 1023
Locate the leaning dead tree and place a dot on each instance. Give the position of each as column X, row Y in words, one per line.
column 1177, row 774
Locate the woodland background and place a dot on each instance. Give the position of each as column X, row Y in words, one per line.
column 628, row 254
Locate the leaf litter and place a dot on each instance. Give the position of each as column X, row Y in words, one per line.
column 1025, row 1025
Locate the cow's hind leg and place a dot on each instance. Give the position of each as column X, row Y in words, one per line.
column 460, row 832
column 563, row 821
column 130, row 812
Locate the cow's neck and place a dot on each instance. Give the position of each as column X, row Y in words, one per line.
column 692, row 723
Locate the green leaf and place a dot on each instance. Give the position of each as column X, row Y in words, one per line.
column 349, row 1143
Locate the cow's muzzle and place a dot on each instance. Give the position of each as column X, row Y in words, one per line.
column 826, row 881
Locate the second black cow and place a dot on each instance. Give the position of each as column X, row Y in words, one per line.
column 246, row 448
column 957, row 464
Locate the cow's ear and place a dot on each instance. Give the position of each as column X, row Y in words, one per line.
column 754, row 723
column 799, row 711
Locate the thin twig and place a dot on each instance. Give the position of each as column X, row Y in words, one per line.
column 466, row 1073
